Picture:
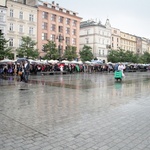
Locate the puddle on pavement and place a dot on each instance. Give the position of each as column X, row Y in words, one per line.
column 23, row 89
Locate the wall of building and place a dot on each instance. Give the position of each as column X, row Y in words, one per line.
column 97, row 36
column 115, row 38
column 3, row 25
column 57, row 12
column 15, row 22
column 128, row 42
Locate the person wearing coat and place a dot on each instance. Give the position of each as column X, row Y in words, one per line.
column 26, row 70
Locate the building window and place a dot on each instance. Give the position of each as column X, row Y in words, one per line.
column 11, row 42
column 112, row 44
column 44, row 36
column 52, row 38
column 45, row 4
column 99, row 52
column 53, row 17
column 74, row 41
column 117, row 40
column 21, row 15
column 68, row 40
column 103, row 53
column 87, row 32
column 31, row 30
column 74, row 23
column 1, row 18
column 31, row 17
column 74, row 32
column 11, row 12
column 45, row 15
column 87, row 40
column 2, row 29
column 60, row 9
column 68, row 21
column 44, row 25
column 53, row 27
column 60, row 19
column 11, row 27
column 21, row 28
column 67, row 30
column 20, row 42
column 60, row 29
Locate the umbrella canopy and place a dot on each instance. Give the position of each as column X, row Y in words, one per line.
column 7, row 61
column 87, row 62
column 21, row 60
column 80, row 62
column 65, row 61
column 73, row 62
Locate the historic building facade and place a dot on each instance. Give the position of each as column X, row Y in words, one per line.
column 3, row 12
column 97, row 36
column 21, row 21
column 59, row 25
column 115, row 39
column 127, row 41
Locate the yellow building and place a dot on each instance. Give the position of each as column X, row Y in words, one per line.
column 127, row 42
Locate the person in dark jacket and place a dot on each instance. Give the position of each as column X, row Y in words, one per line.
column 26, row 70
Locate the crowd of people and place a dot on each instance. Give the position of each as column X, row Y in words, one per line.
column 25, row 68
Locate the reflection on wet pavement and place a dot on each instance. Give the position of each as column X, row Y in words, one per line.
column 54, row 105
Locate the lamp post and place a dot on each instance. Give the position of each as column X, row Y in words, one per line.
column 60, row 39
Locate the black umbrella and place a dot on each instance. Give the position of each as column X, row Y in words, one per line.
column 21, row 60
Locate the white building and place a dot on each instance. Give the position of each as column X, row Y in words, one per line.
column 3, row 12
column 21, row 21
column 97, row 36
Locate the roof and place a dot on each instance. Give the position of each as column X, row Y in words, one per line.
column 90, row 23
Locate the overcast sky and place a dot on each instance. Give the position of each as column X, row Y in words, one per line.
column 130, row 16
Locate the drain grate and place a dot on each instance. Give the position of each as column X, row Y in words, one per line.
column 23, row 89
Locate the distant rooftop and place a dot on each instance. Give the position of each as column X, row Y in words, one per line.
column 56, row 6
column 91, row 23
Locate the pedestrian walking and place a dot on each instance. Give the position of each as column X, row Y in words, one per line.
column 26, row 70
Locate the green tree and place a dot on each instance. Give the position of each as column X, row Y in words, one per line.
column 122, row 56
column 70, row 53
column 5, row 51
column 145, row 58
column 113, row 56
column 27, row 49
column 51, row 50
column 86, row 53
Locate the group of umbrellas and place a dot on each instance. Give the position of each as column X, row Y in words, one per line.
column 50, row 61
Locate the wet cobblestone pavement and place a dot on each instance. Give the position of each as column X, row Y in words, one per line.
column 75, row 112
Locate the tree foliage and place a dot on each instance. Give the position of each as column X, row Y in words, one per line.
column 27, row 49
column 70, row 53
column 127, row 56
column 145, row 58
column 86, row 53
column 5, row 51
column 51, row 50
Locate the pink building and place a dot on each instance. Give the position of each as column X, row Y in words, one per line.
column 57, row 24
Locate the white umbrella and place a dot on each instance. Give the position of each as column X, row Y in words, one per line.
column 80, row 62
column 65, row 61
column 7, row 61
column 87, row 62
column 73, row 62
